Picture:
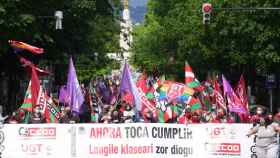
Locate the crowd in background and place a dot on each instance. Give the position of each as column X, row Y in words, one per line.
column 103, row 104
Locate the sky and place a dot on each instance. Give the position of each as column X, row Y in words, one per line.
column 137, row 10
column 138, row 2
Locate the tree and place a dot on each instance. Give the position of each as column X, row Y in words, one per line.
column 89, row 28
column 235, row 40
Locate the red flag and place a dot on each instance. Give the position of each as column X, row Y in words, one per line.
column 141, row 83
column 219, row 99
column 241, row 92
column 35, row 86
column 24, row 46
column 234, row 103
column 29, row 64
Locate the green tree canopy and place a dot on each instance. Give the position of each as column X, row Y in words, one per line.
column 236, row 41
column 90, row 31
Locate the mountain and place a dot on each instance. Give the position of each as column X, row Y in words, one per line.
column 138, row 10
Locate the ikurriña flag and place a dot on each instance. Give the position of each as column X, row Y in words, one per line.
column 19, row 46
column 31, row 95
column 190, row 79
column 234, row 103
column 27, row 102
column 74, row 91
column 189, row 75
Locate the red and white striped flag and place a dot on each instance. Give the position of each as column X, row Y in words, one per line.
column 219, row 99
column 189, row 75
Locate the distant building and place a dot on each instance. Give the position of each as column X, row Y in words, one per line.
column 126, row 32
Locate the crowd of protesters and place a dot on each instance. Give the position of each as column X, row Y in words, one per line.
column 103, row 105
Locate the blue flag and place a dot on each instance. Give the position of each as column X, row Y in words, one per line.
column 74, row 91
column 128, row 87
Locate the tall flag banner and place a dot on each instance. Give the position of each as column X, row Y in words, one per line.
column 206, row 96
column 42, row 100
column 27, row 102
column 128, row 89
column 189, row 75
column 241, row 92
column 234, row 103
column 20, row 46
column 29, row 64
column 51, row 112
column 74, row 91
column 35, row 86
column 219, row 99
column 190, row 79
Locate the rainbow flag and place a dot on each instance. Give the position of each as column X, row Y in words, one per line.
column 174, row 91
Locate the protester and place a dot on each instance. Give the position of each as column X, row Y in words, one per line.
column 266, row 142
column 128, row 114
column 259, row 114
column 37, row 117
column 104, row 104
column 14, row 118
column 116, row 118
column 65, row 114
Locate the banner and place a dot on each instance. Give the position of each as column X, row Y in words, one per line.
column 127, row 140
column 37, row 140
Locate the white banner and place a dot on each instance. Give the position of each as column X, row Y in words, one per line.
column 126, row 140
column 37, row 140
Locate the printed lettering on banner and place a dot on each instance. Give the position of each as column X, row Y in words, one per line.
column 36, row 140
column 37, row 132
column 221, row 132
column 228, row 140
column 153, row 140
column 127, row 140
column 226, row 149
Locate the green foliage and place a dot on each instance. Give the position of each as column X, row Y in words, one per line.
column 89, row 27
column 234, row 42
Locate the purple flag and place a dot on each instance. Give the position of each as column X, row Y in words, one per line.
column 74, row 91
column 234, row 103
column 128, row 88
column 63, row 97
